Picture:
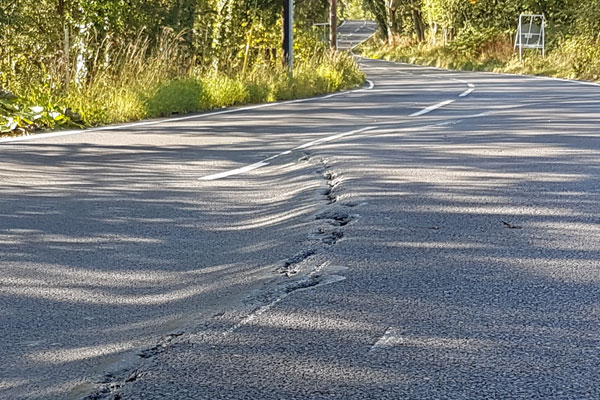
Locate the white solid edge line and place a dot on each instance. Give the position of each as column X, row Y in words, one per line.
column 177, row 119
column 550, row 78
column 547, row 78
column 431, row 108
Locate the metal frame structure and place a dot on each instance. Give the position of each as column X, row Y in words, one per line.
column 324, row 26
column 535, row 35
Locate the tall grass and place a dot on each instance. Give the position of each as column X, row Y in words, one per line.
column 575, row 57
column 137, row 80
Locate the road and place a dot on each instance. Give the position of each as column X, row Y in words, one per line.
column 432, row 235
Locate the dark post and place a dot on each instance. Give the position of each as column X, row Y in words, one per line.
column 288, row 33
column 333, row 21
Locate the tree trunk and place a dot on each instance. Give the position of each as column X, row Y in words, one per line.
column 286, row 31
column 391, row 18
column 378, row 9
column 419, row 24
column 62, row 12
column 221, row 30
column 333, row 20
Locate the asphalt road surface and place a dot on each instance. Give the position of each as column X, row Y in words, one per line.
column 432, row 235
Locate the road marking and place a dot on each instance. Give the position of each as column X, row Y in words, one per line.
column 369, row 34
column 466, row 92
column 393, row 337
column 234, row 171
column 548, row 78
column 330, row 138
column 261, row 310
column 469, row 85
column 432, row 108
column 254, row 315
column 563, row 80
column 385, row 340
column 265, row 162
column 371, row 86
column 178, row 119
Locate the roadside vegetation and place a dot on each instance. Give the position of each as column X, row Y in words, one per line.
column 480, row 35
column 76, row 63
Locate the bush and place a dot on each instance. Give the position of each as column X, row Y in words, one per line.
column 176, row 97
column 103, row 104
column 581, row 56
column 223, row 91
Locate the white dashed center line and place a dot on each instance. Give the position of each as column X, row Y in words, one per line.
column 265, row 162
column 432, row 108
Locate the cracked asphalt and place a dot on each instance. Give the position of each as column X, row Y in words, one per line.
column 405, row 243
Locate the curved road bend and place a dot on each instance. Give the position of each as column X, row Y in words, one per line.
column 434, row 236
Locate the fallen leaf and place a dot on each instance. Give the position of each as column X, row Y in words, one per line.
column 511, row 226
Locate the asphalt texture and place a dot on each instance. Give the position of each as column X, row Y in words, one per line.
column 434, row 235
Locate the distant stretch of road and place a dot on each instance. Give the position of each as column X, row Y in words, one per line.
column 431, row 235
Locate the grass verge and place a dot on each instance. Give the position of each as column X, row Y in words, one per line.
column 571, row 58
column 144, row 91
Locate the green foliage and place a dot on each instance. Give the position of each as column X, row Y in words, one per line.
column 576, row 57
column 104, row 104
column 309, row 44
column 479, row 35
column 223, row 91
column 122, row 60
column 340, row 72
column 127, row 97
column 588, row 19
column 66, row 42
column 18, row 115
column 176, row 97
column 580, row 56
column 378, row 9
column 354, row 10
column 473, row 42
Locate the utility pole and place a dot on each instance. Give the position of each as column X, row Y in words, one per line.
column 288, row 33
column 333, row 23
